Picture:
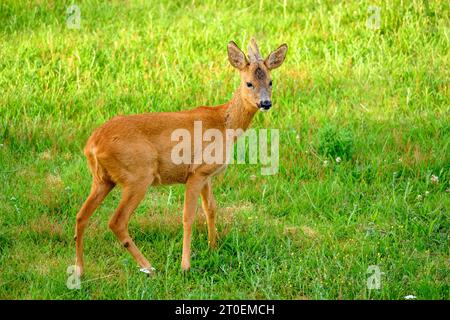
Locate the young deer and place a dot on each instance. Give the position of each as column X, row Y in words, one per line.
column 135, row 152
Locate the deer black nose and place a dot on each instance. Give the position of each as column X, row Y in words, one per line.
column 266, row 104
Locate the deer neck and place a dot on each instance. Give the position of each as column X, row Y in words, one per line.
column 239, row 113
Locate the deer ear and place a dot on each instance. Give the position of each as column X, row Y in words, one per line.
column 236, row 57
column 276, row 58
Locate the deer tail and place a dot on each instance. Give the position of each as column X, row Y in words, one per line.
column 96, row 168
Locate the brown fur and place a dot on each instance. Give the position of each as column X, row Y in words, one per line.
column 135, row 152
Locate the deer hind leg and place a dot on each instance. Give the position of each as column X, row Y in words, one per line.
column 131, row 197
column 209, row 207
column 99, row 191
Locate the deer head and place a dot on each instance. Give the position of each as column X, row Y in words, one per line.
column 256, row 81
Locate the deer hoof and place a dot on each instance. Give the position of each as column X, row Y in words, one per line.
column 79, row 271
column 185, row 266
column 149, row 270
column 212, row 245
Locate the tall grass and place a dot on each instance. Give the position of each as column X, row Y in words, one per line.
column 381, row 96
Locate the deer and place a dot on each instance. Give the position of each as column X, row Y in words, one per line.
column 134, row 152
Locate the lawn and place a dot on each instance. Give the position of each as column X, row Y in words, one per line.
column 361, row 105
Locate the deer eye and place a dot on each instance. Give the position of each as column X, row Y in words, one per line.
column 249, row 85
column 270, row 83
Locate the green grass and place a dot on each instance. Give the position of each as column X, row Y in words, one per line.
column 379, row 97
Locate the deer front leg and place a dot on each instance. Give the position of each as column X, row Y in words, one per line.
column 193, row 187
column 209, row 207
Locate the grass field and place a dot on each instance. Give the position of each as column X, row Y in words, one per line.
column 378, row 98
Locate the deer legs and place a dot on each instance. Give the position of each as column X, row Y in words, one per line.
column 99, row 191
column 194, row 185
column 131, row 197
column 209, row 207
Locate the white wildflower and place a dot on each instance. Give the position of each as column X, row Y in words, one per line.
column 410, row 297
column 434, row 179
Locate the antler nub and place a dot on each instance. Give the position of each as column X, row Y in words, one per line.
column 253, row 51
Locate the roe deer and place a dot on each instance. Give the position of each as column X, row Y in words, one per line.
column 135, row 152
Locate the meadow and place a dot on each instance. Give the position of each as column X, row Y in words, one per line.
column 361, row 104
